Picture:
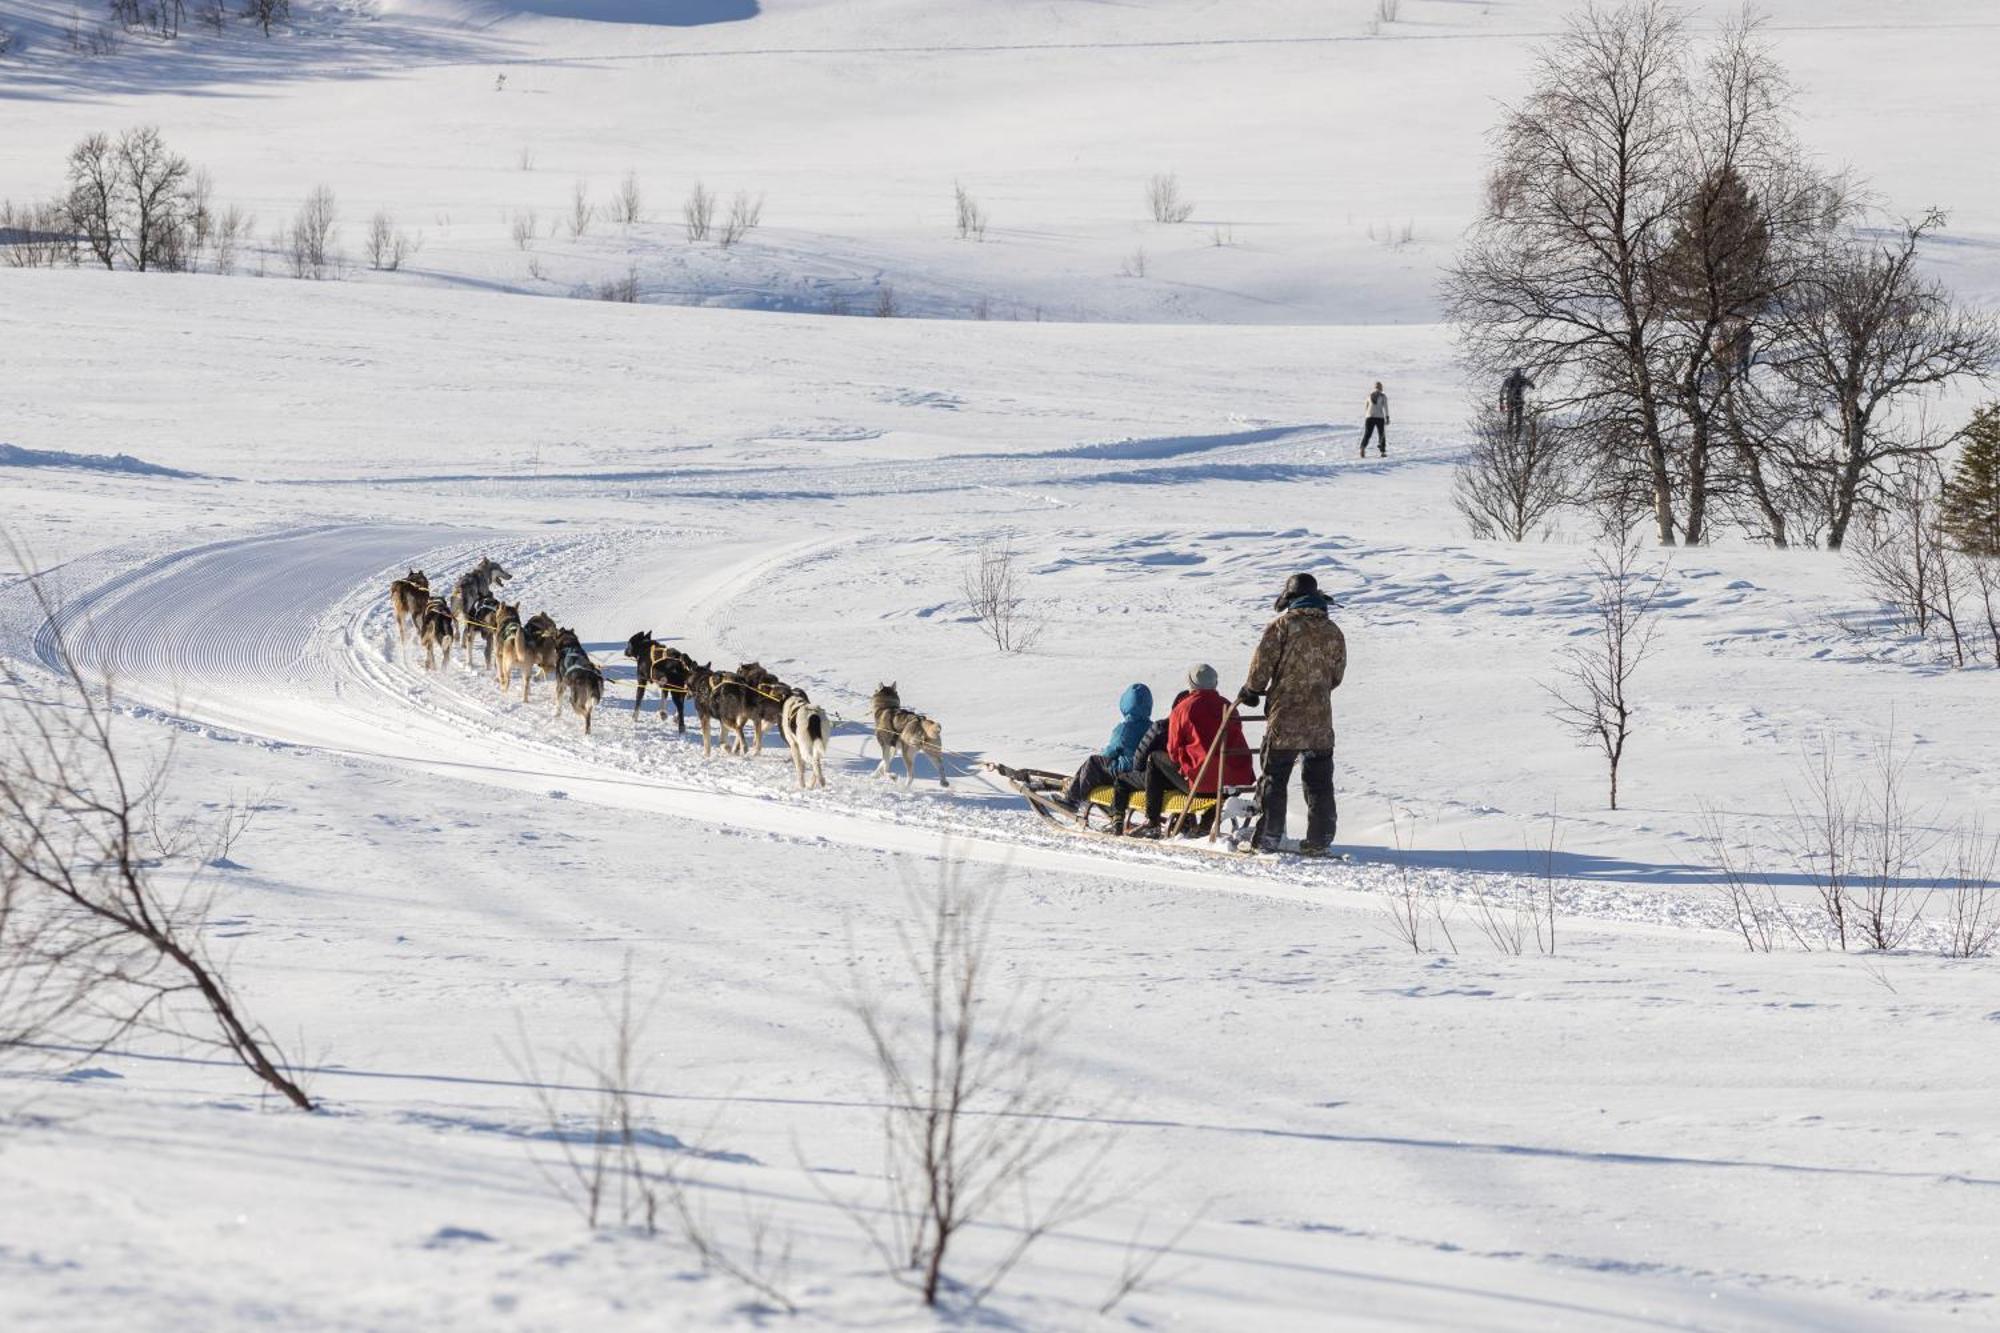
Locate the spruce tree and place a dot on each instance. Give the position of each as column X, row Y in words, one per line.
column 1970, row 510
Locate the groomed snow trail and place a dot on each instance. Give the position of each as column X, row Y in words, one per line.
column 287, row 638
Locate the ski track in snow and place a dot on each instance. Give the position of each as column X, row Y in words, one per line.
column 288, row 638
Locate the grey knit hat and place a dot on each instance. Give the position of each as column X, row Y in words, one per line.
column 1202, row 676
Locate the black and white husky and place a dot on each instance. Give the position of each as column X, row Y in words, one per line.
column 805, row 728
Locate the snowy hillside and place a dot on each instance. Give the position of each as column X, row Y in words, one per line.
column 1572, row 1100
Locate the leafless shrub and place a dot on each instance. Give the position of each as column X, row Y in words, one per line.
column 1863, row 850
column 310, row 239
column 1388, row 11
column 1526, row 914
column 1888, row 893
column 1164, row 201
column 1824, row 835
column 1593, row 702
column 1221, row 236
column 581, row 211
column 232, row 227
column 388, row 245
column 522, row 229
column 198, row 210
column 971, row 217
column 628, row 205
column 744, row 215
column 1972, row 927
column 107, row 947
column 213, row 15
column 264, row 13
column 885, row 303
column 992, row 587
column 1761, row 917
column 1412, row 913
column 1134, row 265
column 535, row 269
column 1135, row 1273
column 623, row 289
column 756, row 1253
column 698, row 212
column 1907, row 561
column 601, row 1172
column 37, row 235
column 524, row 160
column 1512, row 482
column 974, row 1121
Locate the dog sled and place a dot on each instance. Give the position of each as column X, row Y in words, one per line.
column 1211, row 821
column 1215, row 817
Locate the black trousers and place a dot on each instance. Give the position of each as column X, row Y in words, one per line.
column 1316, row 768
column 1096, row 772
column 1159, row 774
column 1378, row 430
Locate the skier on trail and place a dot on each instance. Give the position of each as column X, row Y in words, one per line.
column 1299, row 663
column 1377, row 426
column 1120, row 753
column 1195, row 734
column 1514, row 399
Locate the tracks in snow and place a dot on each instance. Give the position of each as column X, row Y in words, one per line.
column 287, row 638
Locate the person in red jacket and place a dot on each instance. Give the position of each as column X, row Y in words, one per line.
column 1188, row 761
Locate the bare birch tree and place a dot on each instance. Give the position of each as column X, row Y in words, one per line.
column 1593, row 700
column 972, row 1128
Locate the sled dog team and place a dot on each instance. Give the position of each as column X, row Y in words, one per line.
column 742, row 703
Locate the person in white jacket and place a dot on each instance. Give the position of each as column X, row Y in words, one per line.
column 1377, row 428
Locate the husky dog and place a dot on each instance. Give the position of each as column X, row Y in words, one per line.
column 579, row 683
column 763, row 702
column 733, row 703
column 408, row 596
column 509, row 642
column 720, row 697
column 436, row 629
column 665, row 668
column 805, row 729
column 474, row 589
column 898, row 726
column 481, row 621
column 535, row 648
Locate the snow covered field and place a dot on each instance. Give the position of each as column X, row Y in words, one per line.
column 1650, row 1128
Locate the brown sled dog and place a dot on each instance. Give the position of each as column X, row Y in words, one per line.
column 897, row 726
column 408, row 596
column 531, row 648
column 721, row 698
column 507, row 632
column 764, row 701
column 666, row 669
column 436, row 628
column 579, row 682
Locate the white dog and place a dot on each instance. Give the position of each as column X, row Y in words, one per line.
column 805, row 728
